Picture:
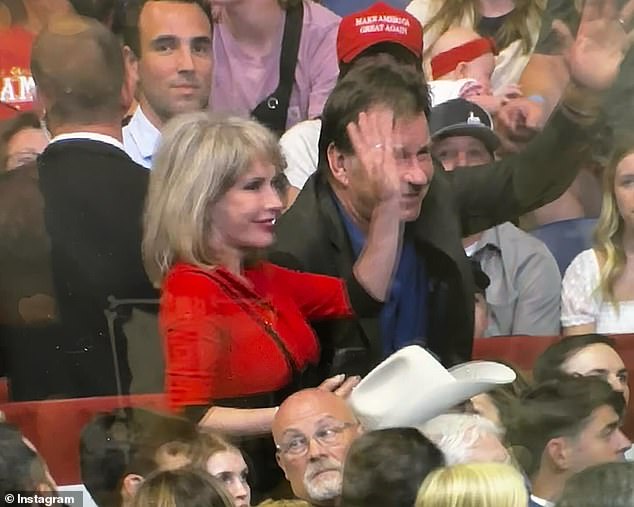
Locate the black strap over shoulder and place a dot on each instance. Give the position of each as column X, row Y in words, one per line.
column 273, row 110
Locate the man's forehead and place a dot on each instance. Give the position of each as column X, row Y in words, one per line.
column 168, row 18
column 310, row 410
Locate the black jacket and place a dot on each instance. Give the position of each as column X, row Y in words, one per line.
column 311, row 237
column 72, row 227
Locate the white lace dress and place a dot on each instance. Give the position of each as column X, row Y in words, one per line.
column 582, row 302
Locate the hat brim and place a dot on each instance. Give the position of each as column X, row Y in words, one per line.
column 484, row 134
column 472, row 378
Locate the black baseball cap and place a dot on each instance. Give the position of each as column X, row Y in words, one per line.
column 459, row 117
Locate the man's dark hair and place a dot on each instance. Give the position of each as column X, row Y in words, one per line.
column 77, row 65
column 20, row 466
column 558, row 408
column 375, row 81
column 548, row 365
column 124, row 442
column 127, row 24
column 11, row 127
column 386, row 467
column 400, row 53
column 606, row 485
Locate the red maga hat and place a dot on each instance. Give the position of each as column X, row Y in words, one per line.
column 378, row 23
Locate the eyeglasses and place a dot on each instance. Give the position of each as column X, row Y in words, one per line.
column 327, row 436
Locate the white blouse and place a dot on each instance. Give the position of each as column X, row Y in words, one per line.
column 582, row 302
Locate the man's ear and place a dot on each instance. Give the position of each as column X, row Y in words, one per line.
column 130, row 78
column 559, row 452
column 129, row 487
column 280, row 462
column 336, row 164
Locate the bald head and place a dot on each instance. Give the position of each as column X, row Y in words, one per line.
column 309, row 403
column 77, row 65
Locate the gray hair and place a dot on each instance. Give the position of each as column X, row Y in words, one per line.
column 199, row 159
column 456, row 434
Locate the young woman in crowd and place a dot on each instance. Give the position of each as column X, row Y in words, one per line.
column 226, row 463
column 513, row 24
column 587, row 354
column 474, row 485
column 183, row 487
column 598, row 286
column 607, row 485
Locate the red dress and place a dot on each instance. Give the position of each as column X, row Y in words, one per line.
column 226, row 337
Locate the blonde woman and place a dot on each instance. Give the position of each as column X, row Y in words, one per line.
column 513, row 24
column 598, row 286
column 235, row 327
column 184, row 487
column 473, row 485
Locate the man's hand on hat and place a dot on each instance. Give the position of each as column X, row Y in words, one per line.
column 603, row 38
column 373, row 141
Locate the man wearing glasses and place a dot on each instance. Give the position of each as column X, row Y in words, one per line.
column 313, row 430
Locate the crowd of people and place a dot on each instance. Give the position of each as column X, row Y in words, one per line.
column 294, row 219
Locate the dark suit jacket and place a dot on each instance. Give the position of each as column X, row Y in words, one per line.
column 312, row 237
column 71, row 228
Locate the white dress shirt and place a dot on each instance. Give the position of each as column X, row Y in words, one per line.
column 140, row 138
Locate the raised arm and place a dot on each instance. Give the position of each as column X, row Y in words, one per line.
column 539, row 174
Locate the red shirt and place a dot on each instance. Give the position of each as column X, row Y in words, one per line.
column 214, row 326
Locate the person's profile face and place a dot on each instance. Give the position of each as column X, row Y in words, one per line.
column 600, row 360
column 600, row 441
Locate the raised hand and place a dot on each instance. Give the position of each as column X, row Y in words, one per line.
column 373, row 143
column 595, row 55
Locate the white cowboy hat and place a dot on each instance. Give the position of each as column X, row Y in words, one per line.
column 411, row 387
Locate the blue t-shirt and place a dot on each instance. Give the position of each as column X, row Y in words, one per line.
column 403, row 318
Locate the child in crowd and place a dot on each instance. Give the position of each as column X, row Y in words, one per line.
column 462, row 64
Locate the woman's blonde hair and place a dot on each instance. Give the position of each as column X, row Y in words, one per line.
column 184, row 487
column 199, row 159
column 608, row 235
column 515, row 26
column 473, row 485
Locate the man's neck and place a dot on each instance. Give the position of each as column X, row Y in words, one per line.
column 106, row 129
column 256, row 26
column 548, row 486
column 150, row 114
column 361, row 223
